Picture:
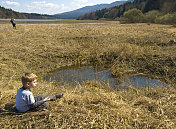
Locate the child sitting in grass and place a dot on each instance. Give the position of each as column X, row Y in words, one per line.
column 25, row 100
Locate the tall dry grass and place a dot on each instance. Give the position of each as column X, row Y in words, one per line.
column 40, row 48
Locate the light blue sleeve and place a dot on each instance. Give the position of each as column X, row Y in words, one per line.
column 30, row 99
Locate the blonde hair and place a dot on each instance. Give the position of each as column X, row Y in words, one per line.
column 28, row 77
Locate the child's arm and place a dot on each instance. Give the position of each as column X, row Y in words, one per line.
column 46, row 99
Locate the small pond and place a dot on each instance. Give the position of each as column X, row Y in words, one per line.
column 77, row 75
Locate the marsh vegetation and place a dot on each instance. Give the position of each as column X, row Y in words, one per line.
column 123, row 48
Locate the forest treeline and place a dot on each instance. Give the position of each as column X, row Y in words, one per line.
column 9, row 13
column 155, row 10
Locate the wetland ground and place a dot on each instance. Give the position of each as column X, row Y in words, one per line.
column 124, row 48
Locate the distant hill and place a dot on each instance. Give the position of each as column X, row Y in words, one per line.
column 164, row 6
column 74, row 14
column 9, row 13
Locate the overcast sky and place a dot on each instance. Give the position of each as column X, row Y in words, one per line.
column 49, row 6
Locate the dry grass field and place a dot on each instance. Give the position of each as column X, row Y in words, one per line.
column 123, row 48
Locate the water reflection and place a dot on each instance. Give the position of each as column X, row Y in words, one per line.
column 78, row 75
column 143, row 81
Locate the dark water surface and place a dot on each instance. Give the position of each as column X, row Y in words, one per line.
column 78, row 75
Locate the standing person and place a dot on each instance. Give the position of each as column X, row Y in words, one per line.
column 13, row 23
column 25, row 100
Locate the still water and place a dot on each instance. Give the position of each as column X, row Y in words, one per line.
column 78, row 75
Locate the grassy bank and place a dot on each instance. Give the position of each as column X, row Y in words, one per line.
column 137, row 48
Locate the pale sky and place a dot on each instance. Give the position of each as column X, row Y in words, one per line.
column 49, row 6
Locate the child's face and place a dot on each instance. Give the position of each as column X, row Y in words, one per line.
column 32, row 84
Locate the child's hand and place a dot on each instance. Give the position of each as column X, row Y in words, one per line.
column 46, row 99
